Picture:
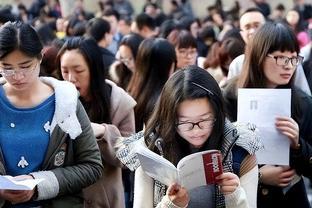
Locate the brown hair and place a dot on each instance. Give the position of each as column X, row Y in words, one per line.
column 182, row 39
column 269, row 38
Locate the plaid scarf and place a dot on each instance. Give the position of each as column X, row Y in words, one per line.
column 245, row 136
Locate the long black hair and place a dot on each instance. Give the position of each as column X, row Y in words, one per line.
column 98, row 107
column 154, row 62
column 190, row 83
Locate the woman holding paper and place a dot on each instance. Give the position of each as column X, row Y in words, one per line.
column 44, row 130
column 189, row 118
column 271, row 61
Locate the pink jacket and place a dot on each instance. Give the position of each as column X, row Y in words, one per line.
column 108, row 191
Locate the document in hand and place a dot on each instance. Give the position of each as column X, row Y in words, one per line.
column 10, row 183
column 261, row 107
column 192, row 171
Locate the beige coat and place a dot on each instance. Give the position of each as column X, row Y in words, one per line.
column 108, row 191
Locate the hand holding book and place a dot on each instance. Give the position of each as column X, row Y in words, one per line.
column 228, row 182
column 192, row 171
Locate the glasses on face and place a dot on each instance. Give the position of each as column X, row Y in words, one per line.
column 204, row 124
column 23, row 70
column 284, row 60
column 185, row 53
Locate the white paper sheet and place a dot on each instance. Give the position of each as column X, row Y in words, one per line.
column 261, row 107
column 10, row 183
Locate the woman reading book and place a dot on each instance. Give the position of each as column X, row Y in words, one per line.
column 189, row 117
column 45, row 132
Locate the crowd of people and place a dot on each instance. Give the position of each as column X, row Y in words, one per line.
column 78, row 93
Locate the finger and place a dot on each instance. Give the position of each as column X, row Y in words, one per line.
column 289, row 132
column 182, row 192
column 282, row 117
column 289, row 128
column 14, row 191
column 285, row 118
column 15, row 198
column 228, row 189
column 286, row 180
column 290, row 136
column 291, row 125
column 227, row 176
column 26, row 196
column 288, row 173
column 173, row 188
column 229, row 183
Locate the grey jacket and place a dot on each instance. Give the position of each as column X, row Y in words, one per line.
column 73, row 160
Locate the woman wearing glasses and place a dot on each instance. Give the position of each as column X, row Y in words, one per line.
column 44, row 130
column 271, row 61
column 185, row 47
column 188, row 118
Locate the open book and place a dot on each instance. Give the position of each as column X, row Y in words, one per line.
column 192, row 171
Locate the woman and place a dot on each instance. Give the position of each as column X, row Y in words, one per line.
column 271, row 61
column 185, row 47
column 221, row 55
column 299, row 26
column 122, row 72
column 45, row 132
column 109, row 108
column 156, row 61
column 188, row 118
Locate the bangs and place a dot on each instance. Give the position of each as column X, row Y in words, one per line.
column 284, row 39
column 186, row 40
column 182, row 39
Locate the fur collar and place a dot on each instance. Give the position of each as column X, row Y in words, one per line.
column 66, row 98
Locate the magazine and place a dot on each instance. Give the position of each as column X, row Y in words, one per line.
column 194, row 170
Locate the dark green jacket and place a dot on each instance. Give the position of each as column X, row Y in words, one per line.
column 73, row 159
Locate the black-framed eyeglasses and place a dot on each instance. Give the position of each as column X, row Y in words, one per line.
column 284, row 60
column 203, row 124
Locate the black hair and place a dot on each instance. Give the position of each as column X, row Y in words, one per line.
column 98, row 108
column 154, row 62
column 251, row 9
column 133, row 41
column 166, row 27
column 97, row 28
column 190, row 83
column 19, row 36
column 145, row 20
column 111, row 12
column 46, row 34
column 269, row 38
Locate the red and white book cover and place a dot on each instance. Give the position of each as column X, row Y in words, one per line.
column 192, row 171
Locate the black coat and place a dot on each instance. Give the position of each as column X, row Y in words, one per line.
column 300, row 160
column 108, row 58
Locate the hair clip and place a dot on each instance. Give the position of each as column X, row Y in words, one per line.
column 202, row 87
